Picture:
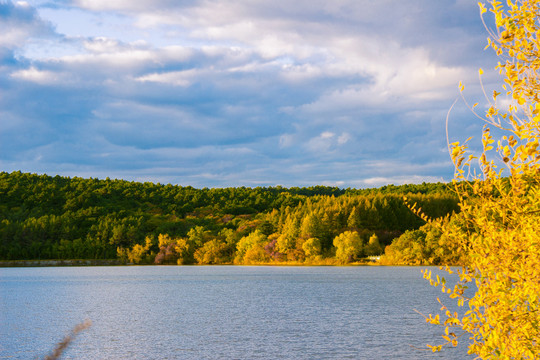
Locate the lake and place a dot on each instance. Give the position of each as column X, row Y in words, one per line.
column 220, row 312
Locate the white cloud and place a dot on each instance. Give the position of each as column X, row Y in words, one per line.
column 286, row 140
column 344, row 138
column 401, row 78
column 122, row 59
column 327, row 141
column 327, row 135
column 42, row 77
column 103, row 5
column 12, row 36
column 101, row 45
column 18, row 23
column 178, row 78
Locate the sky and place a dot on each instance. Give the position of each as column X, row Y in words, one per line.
column 219, row 93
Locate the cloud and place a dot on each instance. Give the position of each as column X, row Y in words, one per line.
column 217, row 93
column 18, row 22
column 327, row 141
column 35, row 75
column 102, row 44
column 178, row 78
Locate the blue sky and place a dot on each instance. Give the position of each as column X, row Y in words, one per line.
column 348, row 93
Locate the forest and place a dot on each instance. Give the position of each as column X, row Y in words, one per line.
column 45, row 217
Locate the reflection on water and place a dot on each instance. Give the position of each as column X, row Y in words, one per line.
column 219, row 312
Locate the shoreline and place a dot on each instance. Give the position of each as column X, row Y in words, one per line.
column 113, row 262
column 52, row 263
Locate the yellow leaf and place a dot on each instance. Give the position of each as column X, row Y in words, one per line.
column 482, row 8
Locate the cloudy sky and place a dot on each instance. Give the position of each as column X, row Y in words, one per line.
column 348, row 93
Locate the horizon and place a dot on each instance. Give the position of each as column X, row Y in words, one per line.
column 278, row 186
column 219, row 94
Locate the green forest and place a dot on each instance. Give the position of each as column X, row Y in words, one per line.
column 45, row 217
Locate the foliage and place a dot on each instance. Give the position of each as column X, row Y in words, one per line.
column 349, row 246
column 138, row 253
column 427, row 245
column 373, row 247
column 250, row 249
column 500, row 209
column 214, row 251
column 43, row 217
column 312, row 247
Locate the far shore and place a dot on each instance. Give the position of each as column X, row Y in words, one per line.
column 115, row 262
column 44, row 263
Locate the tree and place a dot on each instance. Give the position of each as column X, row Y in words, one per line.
column 408, row 249
column 373, row 247
column 250, row 248
column 349, row 246
column 138, row 253
column 353, row 220
column 179, row 250
column 500, row 208
column 312, row 247
column 311, row 226
column 289, row 234
column 212, row 252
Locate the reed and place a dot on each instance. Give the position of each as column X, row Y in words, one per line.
column 62, row 345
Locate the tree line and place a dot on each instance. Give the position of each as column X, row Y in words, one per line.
column 45, row 217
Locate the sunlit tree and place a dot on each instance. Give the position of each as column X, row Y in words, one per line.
column 373, row 247
column 250, row 248
column 349, row 246
column 312, row 247
column 500, row 204
column 212, row 252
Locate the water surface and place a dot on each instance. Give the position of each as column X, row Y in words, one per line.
column 219, row 312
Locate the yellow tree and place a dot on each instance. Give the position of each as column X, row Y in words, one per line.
column 500, row 203
column 349, row 246
column 312, row 247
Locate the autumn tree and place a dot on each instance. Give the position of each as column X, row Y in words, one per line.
column 174, row 250
column 500, row 204
column 349, row 246
column 312, row 247
column 373, row 247
column 138, row 253
column 250, row 249
column 212, row 252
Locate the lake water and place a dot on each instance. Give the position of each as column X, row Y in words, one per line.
column 219, row 312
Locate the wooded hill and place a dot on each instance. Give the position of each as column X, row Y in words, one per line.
column 44, row 217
